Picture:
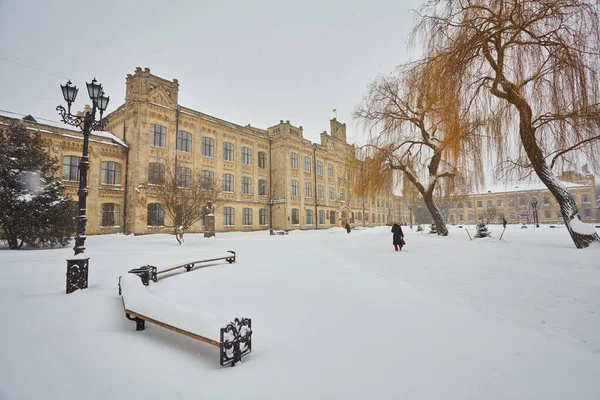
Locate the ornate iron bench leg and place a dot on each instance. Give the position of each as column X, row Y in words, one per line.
column 189, row 267
column 140, row 324
column 236, row 341
column 231, row 259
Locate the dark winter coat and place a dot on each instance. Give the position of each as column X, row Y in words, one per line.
column 398, row 235
column 504, row 222
column 348, row 228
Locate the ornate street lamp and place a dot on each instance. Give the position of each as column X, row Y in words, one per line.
column 410, row 208
column 77, row 269
column 534, row 204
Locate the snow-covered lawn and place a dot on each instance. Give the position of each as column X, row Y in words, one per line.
column 334, row 315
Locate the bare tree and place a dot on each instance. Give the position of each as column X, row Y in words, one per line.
column 414, row 132
column 529, row 67
column 185, row 198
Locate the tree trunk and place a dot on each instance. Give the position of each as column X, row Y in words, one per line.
column 13, row 242
column 437, row 216
column 565, row 200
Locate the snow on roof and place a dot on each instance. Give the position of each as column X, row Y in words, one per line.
column 522, row 186
column 64, row 127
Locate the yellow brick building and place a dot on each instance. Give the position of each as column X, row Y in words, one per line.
column 271, row 178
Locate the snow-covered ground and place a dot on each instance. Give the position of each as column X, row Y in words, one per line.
column 334, row 315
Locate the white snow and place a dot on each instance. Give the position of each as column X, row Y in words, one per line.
column 524, row 186
column 334, row 316
column 581, row 227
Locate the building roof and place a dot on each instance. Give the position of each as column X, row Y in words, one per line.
column 522, row 186
column 99, row 135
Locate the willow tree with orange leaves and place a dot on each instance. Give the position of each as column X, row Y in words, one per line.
column 531, row 69
column 413, row 131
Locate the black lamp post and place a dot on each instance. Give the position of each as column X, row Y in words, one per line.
column 410, row 207
column 534, row 204
column 77, row 268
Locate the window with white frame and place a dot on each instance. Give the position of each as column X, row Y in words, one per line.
column 228, row 183
column 321, row 217
column 247, row 216
column 71, row 168
column 183, row 177
column 246, row 156
column 111, row 173
column 228, row 216
column 331, row 196
column 208, row 147
column 294, row 161
column 295, row 217
column 262, row 216
column 309, row 217
column 330, row 170
column 342, row 195
column 307, row 190
column 111, row 216
column 320, row 192
column 208, row 180
column 585, row 198
column 184, row 142
column 158, row 135
column 246, row 185
column 294, row 187
column 319, row 167
column 228, row 152
column 500, row 203
column 262, row 187
column 262, row 159
column 307, row 164
column 156, row 174
column 155, row 215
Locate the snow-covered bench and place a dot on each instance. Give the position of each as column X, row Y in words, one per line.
column 234, row 340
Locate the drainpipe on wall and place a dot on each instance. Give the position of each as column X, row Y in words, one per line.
column 270, row 189
column 316, row 188
column 125, row 232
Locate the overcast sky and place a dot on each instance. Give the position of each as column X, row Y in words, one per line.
column 249, row 62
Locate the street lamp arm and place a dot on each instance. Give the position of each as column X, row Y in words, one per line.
column 70, row 119
column 79, row 120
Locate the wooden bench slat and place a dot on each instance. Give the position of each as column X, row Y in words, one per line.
column 173, row 328
column 192, row 262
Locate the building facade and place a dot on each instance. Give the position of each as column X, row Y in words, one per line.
column 271, row 178
column 519, row 202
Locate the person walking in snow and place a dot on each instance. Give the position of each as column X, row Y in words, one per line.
column 504, row 222
column 347, row 227
column 398, row 239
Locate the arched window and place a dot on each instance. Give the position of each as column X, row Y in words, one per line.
column 295, row 217
column 228, row 152
column 247, row 216
column 208, row 180
column 111, row 216
column 294, row 161
column 321, row 217
column 208, row 147
column 156, row 174
column 158, row 135
column 184, row 177
column 184, row 142
column 156, row 215
column 262, row 216
column 111, row 173
column 228, row 216
column 228, row 183
column 71, row 168
column 246, row 156
column 309, row 217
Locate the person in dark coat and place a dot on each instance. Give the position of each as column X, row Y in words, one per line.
column 504, row 222
column 347, row 227
column 398, row 237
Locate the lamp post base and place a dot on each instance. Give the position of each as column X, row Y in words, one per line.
column 77, row 274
